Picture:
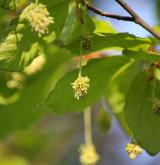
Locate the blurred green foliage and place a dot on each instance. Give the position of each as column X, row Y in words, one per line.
column 36, row 75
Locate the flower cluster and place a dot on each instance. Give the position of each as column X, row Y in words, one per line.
column 38, row 17
column 88, row 154
column 80, row 86
column 133, row 150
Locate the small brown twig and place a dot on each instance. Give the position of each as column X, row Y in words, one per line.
column 78, row 11
column 133, row 18
column 108, row 15
column 138, row 19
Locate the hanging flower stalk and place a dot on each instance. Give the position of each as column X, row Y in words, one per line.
column 88, row 153
column 81, row 85
column 38, row 17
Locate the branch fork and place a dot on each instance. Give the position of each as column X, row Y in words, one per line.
column 134, row 17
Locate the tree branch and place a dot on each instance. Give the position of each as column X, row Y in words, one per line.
column 134, row 17
column 78, row 12
column 138, row 19
column 114, row 16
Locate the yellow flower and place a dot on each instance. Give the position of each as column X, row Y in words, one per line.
column 133, row 150
column 88, row 154
column 38, row 17
column 80, row 86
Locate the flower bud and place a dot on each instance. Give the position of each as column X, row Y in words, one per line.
column 80, row 86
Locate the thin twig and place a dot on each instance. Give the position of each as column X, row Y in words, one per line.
column 114, row 16
column 138, row 19
column 78, row 12
column 133, row 18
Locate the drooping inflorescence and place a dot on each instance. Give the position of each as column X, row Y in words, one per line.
column 88, row 154
column 133, row 150
column 38, row 17
column 80, row 86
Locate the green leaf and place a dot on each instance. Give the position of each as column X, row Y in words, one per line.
column 147, row 57
column 143, row 122
column 19, row 48
column 26, row 110
column 102, row 26
column 99, row 72
column 118, row 88
column 73, row 30
column 106, row 40
column 58, row 9
column 21, row 45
